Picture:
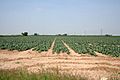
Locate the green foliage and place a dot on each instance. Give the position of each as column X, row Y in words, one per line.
column 39, row 43
column 105, row 45
column 24, row 75
column 25, row 33
column 60, row 47
column 36, row 34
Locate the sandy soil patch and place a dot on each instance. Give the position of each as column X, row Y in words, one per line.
column 93, row 67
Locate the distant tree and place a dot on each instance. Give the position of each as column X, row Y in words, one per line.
column 107, row 35
column 64, row 34
column 24, row 33
column 59, row 34
column 35, row 34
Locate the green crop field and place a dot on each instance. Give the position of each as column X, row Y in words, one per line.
column 59, row 46
column 105, row 45
column 21, row 43
column 80, row 44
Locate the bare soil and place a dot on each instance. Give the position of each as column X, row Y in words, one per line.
column 100, row 67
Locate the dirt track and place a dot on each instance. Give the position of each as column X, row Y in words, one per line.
column 93, row 67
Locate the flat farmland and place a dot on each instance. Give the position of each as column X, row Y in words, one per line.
column 93, row 57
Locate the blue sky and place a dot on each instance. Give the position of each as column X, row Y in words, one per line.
column 60, row 16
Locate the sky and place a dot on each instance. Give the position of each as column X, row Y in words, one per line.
column 60, row 16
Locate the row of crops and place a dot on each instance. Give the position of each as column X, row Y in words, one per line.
column 59, row 46
column 21, row 43
column 90, row 45
column 38, row 43
column 105, row 45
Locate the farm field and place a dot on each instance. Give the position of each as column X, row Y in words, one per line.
column 87, row 56
column 81, row 45
column 105, row 45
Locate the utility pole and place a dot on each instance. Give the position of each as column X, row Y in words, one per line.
column 101, row 31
